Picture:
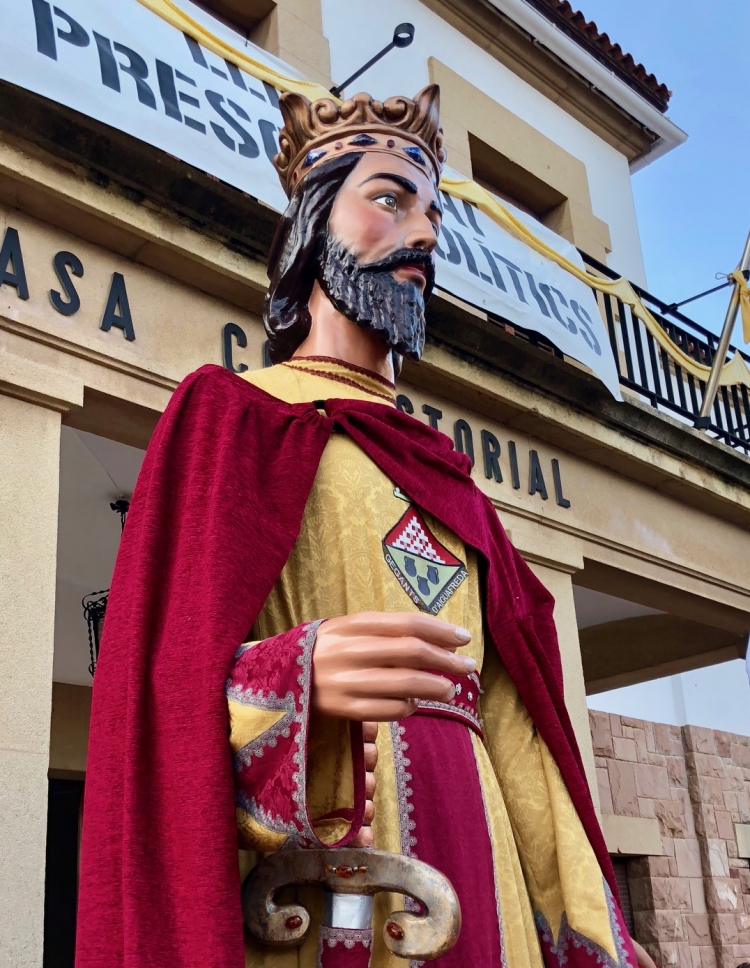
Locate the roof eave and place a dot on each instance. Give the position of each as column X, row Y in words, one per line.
column 600, row 77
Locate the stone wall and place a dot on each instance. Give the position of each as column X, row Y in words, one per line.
column 691, row 905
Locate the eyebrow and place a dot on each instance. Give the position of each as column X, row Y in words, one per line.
column 405, row 183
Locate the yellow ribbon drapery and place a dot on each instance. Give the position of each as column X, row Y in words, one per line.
column 734, row 372
column 744, row 294
column 169, row 11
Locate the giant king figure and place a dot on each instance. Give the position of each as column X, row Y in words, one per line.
column 318, row 633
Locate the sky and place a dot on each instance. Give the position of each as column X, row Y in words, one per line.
column 693, row 204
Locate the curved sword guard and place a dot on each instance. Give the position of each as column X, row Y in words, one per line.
column 350, row 870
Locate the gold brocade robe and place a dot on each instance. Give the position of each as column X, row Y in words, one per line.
column 547, row 878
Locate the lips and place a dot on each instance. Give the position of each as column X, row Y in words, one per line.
column 411, row 267
column 413, row 260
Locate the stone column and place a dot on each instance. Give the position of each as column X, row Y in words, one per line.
column 32, row 399
column 719, row 786
column 557, row 578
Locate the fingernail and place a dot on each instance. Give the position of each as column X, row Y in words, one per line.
column 469, row 663
column 453, row 693
column 463, row 635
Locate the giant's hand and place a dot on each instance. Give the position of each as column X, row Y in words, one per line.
column 644, row 959
column 375, row 666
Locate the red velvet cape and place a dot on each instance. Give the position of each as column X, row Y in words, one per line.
column 214, row 517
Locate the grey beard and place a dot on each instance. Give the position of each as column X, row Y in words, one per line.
column 374, row 299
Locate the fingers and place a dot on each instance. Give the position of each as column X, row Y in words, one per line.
column 339, row 703
column 402, row 684
column 364, row 838
column 371, row 756
column 644, row 959
column 384, row 695
column 400, row 624
column 410, row 653
column 376, row 710
column 370, row 735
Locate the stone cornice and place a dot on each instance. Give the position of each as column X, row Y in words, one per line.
column 42, row 385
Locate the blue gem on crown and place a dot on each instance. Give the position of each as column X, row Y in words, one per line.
column 313, row 156
column 415, row 154
column 363, row 139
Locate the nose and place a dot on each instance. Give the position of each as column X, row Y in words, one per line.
column 420, row 234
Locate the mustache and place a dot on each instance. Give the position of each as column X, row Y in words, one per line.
column 370, row 296
column 399, row 259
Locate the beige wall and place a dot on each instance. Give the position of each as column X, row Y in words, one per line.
column 558, row 581
column 293, row 31
column 177, row 327
column 31, row 399
column 611, row 519
column 634, row 527
column 518, row 159
column 490, row 29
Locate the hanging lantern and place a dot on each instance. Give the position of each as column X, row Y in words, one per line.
column 94, row 607
column 95, row 603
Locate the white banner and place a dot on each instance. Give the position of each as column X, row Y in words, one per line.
column 488, row 267
column 127, row 67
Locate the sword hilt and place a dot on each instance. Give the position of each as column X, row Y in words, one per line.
column 421, row 936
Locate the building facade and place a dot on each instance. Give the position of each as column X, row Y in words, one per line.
column 125, row 266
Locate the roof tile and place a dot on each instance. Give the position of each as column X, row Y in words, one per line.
column 588, row 35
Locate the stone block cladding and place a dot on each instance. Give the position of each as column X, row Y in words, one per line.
column 692, row 905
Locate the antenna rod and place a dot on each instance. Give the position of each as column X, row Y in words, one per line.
column 704, row 419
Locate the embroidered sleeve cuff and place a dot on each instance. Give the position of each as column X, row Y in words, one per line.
column 268, row 693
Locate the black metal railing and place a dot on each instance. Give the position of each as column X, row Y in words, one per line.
column 645, row 368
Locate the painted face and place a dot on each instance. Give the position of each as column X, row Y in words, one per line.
column 377, row 267
column 386, row 204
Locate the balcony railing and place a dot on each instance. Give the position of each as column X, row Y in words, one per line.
column 645, row 368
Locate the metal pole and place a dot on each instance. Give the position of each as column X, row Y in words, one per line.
column 704, row 419
column 403, row 35
column 339, row 88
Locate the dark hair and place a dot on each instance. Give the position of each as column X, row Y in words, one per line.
column 295, row 255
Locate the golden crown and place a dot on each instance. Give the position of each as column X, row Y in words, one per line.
column 314, row 131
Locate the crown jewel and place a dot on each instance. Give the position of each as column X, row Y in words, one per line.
column 315, row 130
